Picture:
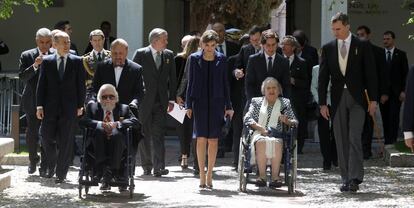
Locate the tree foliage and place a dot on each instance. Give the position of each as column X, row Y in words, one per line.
column 7, row 6
column 240, row 13
column 409, row 4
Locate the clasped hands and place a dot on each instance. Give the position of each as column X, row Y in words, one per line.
column 108, row 127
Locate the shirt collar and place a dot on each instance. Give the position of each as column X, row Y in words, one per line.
column 58, row 55
column 267, row 56
column 153, row 51
column 348, row 39
column 392, row 50
column 96, row 52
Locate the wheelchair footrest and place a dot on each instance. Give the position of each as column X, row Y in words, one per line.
column 118, row 183
column 88, row 183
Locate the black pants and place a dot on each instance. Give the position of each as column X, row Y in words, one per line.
column 237, row 124
column 366, row 137
column 390, row 112
column 108, row 151
column 32, row 141
column 185, row 134
column 299, row 108
column 327, row 142
column 57, row 140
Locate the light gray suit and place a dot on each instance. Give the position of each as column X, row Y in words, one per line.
column 160, row 86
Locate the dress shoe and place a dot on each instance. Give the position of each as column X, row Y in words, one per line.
column 122, row 188
column 147, row 172
column 275, row 184
column 161, row 172
column 260, row 182
column 50, row 173
column 42, row 173
column 60, row 180
column 326, row 167
column 344, row 187
column 353, row 186
column 335, row 163
column 32, row 168
column 105, row 187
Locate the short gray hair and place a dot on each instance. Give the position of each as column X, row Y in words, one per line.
column 155, row 34
column 271, row 80
column 43, row 33
column 119, row 41
column 110, row 88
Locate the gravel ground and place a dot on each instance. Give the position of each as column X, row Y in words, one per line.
column 383, row 187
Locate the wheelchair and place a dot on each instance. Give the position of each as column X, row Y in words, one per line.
column 289, row 158
column 87, row 169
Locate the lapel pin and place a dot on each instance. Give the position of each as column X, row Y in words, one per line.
column 356, row 51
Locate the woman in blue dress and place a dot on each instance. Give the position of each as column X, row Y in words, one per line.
column 208, row 101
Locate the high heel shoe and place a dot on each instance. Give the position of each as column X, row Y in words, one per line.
column 184, row 163
column 209, row 180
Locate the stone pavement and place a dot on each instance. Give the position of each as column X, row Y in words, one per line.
column 383, row 187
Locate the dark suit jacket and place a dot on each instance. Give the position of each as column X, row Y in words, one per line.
column 130, row 86
column 237, row 91
column 408, row 116
column 244, row 54
column 397, row 74
column 3, row 50
column 61, row 97
column 28, row 75
column 231, row 48
column 298, row 71
column 94, row 114
column 161, row 82
column 360, row 74
column 256, row 73
column 383, row 79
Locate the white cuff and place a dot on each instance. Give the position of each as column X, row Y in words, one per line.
column 408, row 135
column 39, row 108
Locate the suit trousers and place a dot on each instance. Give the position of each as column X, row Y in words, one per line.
column 152, row 148
column 390, row 112
column 300, row 112
column 57, row 140
column 237, row 124
column 108, row 151
column 366, row 138
column 348, row 123
column 327, row 142
column 32, row 140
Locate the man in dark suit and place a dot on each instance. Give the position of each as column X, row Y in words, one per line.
column 60, row 98
column 30, row 61
column 408, row 118
column 350, row 66
column 64, row 25
column 396, row 72
column 109, row 120
column 248, row 50
column 300, row 86
column 225, row 47
column 364, row 33
column 108, row 39
column 3, row 49
column 160, row 87
column 267, row 63
column 126, row 76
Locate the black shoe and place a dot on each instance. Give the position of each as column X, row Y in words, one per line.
column 50, row 173
column 220, row 154
column 161, row 172
column 354, row 185
column 105, row 187
column 326, row 167
column 335, row 163
column 122, row 189
column 260, row 182
column 32, row 168
column 60, row 180
column 147, row 172
column 42, row 173
column 275, row 184
column 344, row 187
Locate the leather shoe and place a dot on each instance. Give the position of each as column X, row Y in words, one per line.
column 344, row 187
column 42, row 173
column 275, row 184
column 122, row 189
column 353, row 186
column 50, row 174
column 147, row 172
column 32, row 168
column 105, row 187
column 260, row 182
column 60, row 180
column 161, row 172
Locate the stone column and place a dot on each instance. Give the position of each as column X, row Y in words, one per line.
column 328, row 9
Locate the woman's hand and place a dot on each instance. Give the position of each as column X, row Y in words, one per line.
column 189, row 113
column 229, row 113
column 284, row 119
column 263, row 131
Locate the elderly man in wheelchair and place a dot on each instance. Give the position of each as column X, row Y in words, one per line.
column 265, row 119
column 107, row 121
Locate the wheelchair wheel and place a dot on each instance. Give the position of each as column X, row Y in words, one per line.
column 80, row 191
column 242, row 177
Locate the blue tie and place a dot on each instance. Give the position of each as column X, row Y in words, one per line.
column 269, row 64
column 61, row 69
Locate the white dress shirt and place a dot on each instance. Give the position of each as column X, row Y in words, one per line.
column 223, row 46
column 65, row 58
column 267, row 59
column 118, row 72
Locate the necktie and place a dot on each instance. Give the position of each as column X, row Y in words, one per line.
column 61, row 68
column 343, row 50
column 99, row 56
column 158, row 60
column 221, row 49
column 389, row 59
column 269, row 64
column 107, row 119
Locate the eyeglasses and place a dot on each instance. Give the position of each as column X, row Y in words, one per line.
column 110, row 97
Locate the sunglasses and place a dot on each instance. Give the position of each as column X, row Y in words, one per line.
column 110, row 97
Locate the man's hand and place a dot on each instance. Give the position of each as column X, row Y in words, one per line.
column 179, row 100
column 402, row 96
column 189, row 113
column 38, row 61
column 80, row 111
column 284, row 119
column 229, row 113
column 410, row 144
column 107, row 128
column 383, row 99
column 238, row 73
column 39, row 114
column 292, row 81
column 372, row 108
column 325, row 112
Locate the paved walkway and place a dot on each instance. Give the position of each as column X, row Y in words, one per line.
column 383, row 187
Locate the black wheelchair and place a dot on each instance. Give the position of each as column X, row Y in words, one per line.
column 87, row 170
column 289, row 159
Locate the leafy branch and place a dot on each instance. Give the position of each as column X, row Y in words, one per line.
column 7, row 6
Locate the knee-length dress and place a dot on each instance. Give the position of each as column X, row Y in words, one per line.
column 207, row 94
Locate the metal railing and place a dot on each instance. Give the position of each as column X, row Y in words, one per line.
column 10, row 94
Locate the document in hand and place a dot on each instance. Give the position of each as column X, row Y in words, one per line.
column 176, row 111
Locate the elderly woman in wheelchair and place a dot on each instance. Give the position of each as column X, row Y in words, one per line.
column 108, row 120
column 265, row 118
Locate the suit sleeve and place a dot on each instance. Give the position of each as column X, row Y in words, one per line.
column 139, row 88
column 226, row 86
column 250, row 79
column 408, row 116
column 381, row 72
column 239, row 61
column 135, row 57
column 302, row 81
column 370, row 71
column 41, row 85
column 287, row 88
column 323, row 79
column 172, row 79
column 184, row 80
column 87, row 120
column 190, row 78
column 80, row 83
column 129, row 119
column 27, row 71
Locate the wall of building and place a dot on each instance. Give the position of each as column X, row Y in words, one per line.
column 19, row 31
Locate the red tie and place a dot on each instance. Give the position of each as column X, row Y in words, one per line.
column 107, row 127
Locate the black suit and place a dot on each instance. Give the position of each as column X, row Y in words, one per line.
column 299, row 96
column 348, row 104
column 244, row 54
column 60, row 99
column 231, row 48
column 256, row 73
column 408, row 116
column 396, row 73
column 108, row 152
column 3, row 49
column 28, row 103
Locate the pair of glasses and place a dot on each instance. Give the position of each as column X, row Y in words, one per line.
column 110, row 97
